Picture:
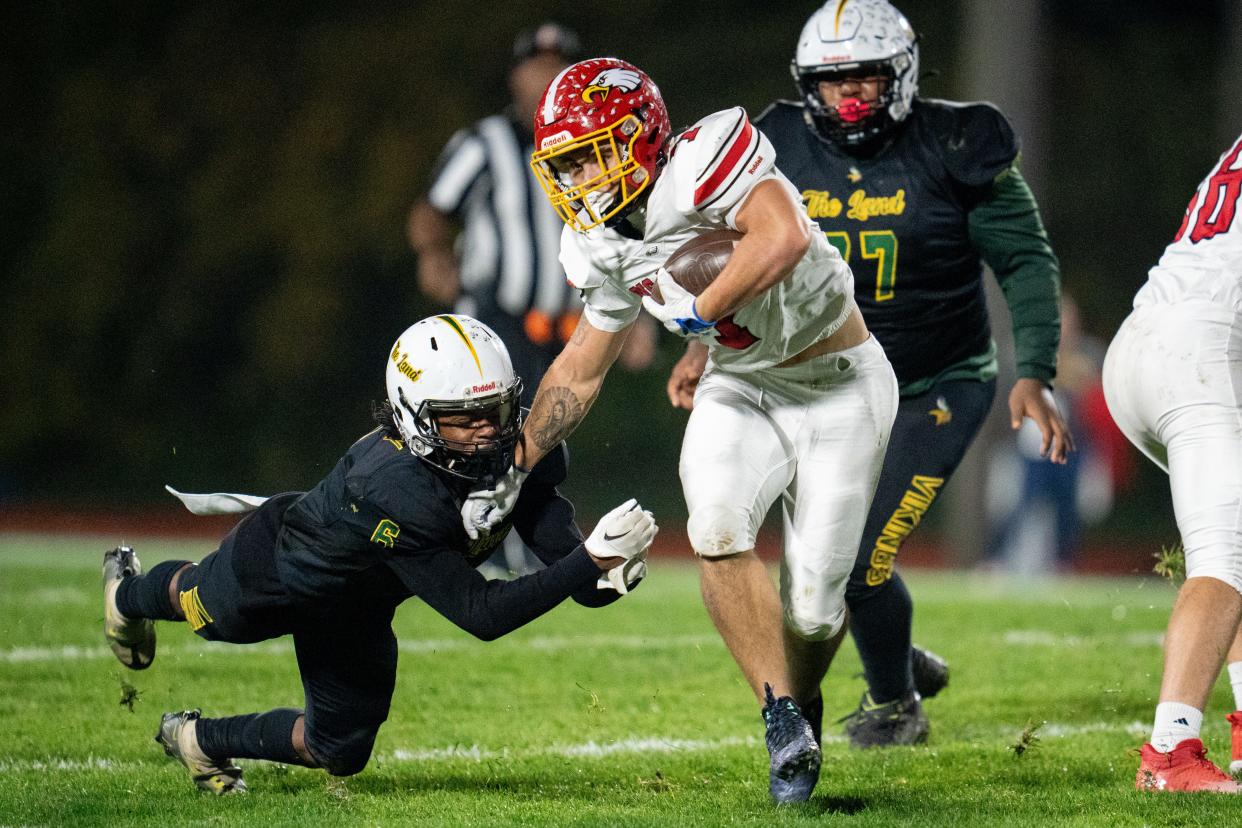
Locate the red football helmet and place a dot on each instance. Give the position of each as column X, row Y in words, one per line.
column 611, row 109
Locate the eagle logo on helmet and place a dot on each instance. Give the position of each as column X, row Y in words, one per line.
column 598, row 90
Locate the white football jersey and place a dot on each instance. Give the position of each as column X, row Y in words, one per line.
column 714, row 166
column 1205, row 259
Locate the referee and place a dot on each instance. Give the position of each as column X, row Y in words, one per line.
column 508, row 275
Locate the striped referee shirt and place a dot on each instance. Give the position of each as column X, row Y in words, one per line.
column 511, row 236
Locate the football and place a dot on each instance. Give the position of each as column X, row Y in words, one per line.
column 698, row 262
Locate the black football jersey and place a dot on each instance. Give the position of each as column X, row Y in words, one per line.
column 900, row 220
column 382, row 506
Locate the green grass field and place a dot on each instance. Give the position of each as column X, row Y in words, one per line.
column 634, row 714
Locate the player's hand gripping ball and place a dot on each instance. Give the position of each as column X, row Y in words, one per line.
column 698, row 262
column 686, row 274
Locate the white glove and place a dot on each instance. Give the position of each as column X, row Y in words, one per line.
column 623, row 578
column 625, row 532
column 677, row 313
column 484, row 510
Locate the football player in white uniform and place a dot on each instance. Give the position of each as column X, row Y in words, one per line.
column 1173, row 381
column 798, row 399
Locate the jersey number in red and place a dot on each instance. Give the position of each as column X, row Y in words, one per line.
column 732, row 335
column 1220, row 200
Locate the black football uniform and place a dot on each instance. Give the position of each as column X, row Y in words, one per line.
column 916, row 219
column 331, row 565
column 904, row 219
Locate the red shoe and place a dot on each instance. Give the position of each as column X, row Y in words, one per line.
column 1235, row 730
column 1185, row 768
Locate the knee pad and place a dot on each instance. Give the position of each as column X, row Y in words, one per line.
column 814, row 626
column 1221, row 565
column 345, row 755
column 717, row 532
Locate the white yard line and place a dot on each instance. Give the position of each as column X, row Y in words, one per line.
column 591, row 750
column 90, row 763
column 1061, row 730
column 1046, row 638
column 639, row 745
column 543, row 643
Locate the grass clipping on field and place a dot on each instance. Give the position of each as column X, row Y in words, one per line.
column 1028, row 740
column 129, row 695
column 1171, row 563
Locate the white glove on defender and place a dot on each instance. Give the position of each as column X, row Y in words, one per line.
column 625, row 532
column 622, row 578
column 484, row 510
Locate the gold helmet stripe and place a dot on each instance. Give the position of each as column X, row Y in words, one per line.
column 836, row 23
column 457, row 329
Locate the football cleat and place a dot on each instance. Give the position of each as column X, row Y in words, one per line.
column 1185, row 768
column 178, row 734
column 795, row 756
column 1235, row 734
column 898, row 722
column 131, row 640
column 931, row 672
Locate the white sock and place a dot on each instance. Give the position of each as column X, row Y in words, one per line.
column 1175, row 722
column 1235, row 678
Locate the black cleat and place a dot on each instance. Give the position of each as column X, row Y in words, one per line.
column 899, row 722
column 794, row 752
column 931, row 672
column 178, row 735
column 132, row 639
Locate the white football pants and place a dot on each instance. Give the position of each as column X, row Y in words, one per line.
column 1173, row 382
column 812, row 434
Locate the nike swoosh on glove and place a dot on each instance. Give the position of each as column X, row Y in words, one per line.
column 484, row 509
column 678, row 313
column 625, row 532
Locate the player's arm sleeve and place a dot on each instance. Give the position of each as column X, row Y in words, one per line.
column 545, row 521
column 421, row 547
column 980, row 153
column 462, row 161
column 1006, row 229
column 607, row 305
column 489, row 609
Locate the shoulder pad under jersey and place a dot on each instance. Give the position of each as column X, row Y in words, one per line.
column 975, row 140
column 779, row 114
column 575, row 255
column 717, row 161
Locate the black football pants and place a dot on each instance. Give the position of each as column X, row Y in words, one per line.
column 930, row 436
column 346, row 651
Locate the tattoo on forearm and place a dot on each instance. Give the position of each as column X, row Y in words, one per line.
column 554, row 415
column 579, row 335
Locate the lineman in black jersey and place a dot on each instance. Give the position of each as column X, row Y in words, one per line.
column 915, row 194
column 330, row 566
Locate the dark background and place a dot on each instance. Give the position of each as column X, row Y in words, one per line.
column 203, row 253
